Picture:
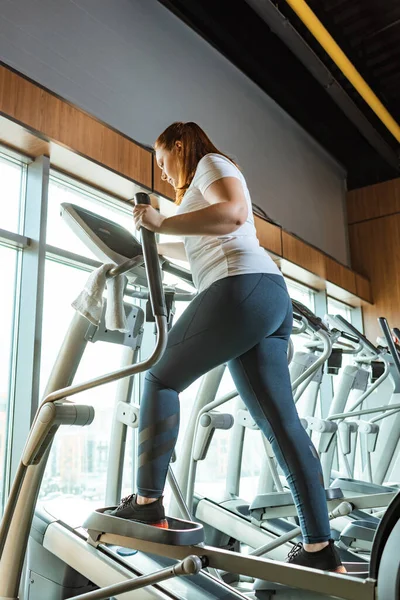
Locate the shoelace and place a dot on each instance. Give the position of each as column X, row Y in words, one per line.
column 125, row 501
column 295, row 551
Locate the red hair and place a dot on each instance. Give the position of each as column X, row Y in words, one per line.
column 195, row 145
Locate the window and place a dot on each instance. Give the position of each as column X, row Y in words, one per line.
column 301, row 293
column 59, row 234
column 12, row 194
column 8, row 261
column 79, row 456
column 305, row 296
column 339, row 308
column 80, row 462
column 12, row 178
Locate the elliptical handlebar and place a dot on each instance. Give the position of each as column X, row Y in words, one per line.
column 392, row 346
column 152, row 264
column 314, row 322
column 352, row 330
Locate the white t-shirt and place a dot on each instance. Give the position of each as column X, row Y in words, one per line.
column 215, row 257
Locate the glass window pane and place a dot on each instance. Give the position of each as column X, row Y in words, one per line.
column 8, row 261
column 339, row 308
column 78, row 460
column 306, row 297
column 59, row 234
column 11, row 177
column 301, row 293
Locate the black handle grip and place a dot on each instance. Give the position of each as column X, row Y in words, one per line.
column 357, row 334
column 314, row 322
column 350, row 337
column 152, row 264
column 392, row 346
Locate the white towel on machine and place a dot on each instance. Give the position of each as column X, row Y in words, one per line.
column 89, row 303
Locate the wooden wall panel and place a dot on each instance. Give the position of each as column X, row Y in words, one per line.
column 269, row 235
column 340, row 275
column 300, row 253
column 375, row 251
column 18, row 138
column 36, row 122
column 363, row 288
column 373, row 201
column 56, row 120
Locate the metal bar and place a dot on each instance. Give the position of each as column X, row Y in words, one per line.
column 371, row 388
column 208, row 389
column 339, row 585
column 189, row 566
column 178, row 296
column 327, row 42
column 315, row 366
column 71, row 257
column 281, row 26
column 389, row 414
column 126, row 266
column 178, row 495
column 65, row 256
column 365, row 411
column 234, row 525
column 31, row 308
column 193, row 463
column 271, row 465
column 236, row 442
column 359, row 502
column 345, row 508
column 116, row 452
column 17, row 519
column 128, row 371
column 161, row 323
column 14, row 239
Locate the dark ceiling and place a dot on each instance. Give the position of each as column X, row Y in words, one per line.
column 275, row 49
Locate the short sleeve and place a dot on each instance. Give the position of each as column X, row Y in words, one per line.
column 213, row 167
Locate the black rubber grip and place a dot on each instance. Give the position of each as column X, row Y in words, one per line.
column 350, row 337
column 152, row 264
column 314, row 322
column 357, row 334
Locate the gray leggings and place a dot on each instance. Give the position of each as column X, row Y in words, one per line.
column 244, row 321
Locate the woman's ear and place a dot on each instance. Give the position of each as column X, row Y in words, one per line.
column 178, row 146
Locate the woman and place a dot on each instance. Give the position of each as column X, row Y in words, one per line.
column 241, row 316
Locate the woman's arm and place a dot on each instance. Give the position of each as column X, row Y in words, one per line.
column 226, row 213
column 174, row 250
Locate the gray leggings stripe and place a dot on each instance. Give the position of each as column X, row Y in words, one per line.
column 150, row 455
column 150, row 432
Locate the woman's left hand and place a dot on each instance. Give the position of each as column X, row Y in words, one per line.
column 146, row 216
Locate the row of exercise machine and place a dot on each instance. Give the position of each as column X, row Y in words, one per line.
column 231, row 548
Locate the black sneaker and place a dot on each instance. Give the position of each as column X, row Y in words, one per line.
column 151, row 514
column 327, row 559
